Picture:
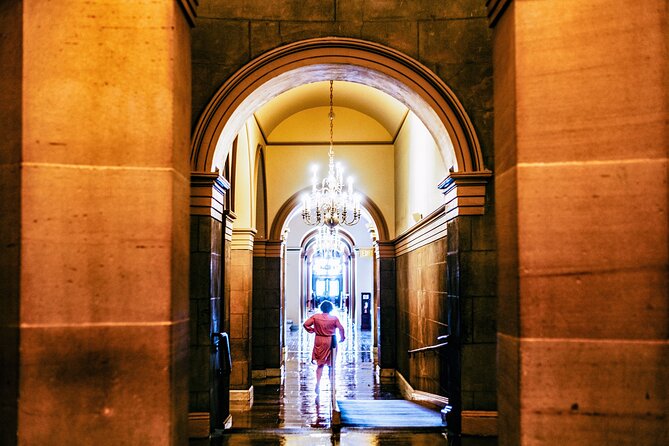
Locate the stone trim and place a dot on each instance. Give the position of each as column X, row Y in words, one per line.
column 426, row 231
column 267, row 248
column 311, row 60
column 479, row 422
column 410, row 394
column 242, row 239
column 496, row 9
column 465, row 193
column 230, row 218
column 241, row 400
column 207, row 194
column 198, row 424
column 266, row 377
column 189, row 8
column 384, row 249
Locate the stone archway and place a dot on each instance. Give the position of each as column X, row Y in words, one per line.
column 336, row 58
column 464, row 187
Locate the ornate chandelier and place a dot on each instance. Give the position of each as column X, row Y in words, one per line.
column 328, row 242
column 330, row 204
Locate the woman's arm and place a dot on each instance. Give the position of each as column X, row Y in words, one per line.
column 340, row 327
column 309, row 325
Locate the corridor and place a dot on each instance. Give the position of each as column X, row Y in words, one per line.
column 292, row 413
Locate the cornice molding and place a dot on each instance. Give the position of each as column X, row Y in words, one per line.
column 496, row 9
column 242, row 239
column 229, row 220
column 207, row 194
column 465, row 193
column 189, row 8
column 267, row 248
column 384, row 249
column 427, row 230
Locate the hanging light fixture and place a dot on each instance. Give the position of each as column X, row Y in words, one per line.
column 331, row 204
column 328, row 242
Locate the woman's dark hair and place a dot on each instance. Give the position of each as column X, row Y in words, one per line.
column 326, row 306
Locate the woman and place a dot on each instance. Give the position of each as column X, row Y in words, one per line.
column 325, row 326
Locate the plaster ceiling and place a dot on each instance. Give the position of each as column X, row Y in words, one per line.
column 308, row 103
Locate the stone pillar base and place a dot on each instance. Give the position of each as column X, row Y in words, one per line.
column 241, row 400
column 267, row 377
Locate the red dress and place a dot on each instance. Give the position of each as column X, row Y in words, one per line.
column 324, row 325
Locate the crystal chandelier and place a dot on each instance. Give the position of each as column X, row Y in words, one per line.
column 328, row 242
column 330, row 204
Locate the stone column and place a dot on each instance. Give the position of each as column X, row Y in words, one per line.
column 206, row 264
column 241, row 277
column 267, row 320
column 581, row 193
column 95, row 112
column 386, row 305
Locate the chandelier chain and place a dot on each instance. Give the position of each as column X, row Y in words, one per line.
column 330, row 204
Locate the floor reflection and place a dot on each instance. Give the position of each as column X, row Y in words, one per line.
column 293, row 414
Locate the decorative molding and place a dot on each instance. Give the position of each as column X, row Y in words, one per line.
column 384, row 249
column 189, row 8
column 241, row 399
column 267, row 377
column 496, row 9
column 465, row 193
column 410, row 394
column 207, row 194
column 479, row 422
column 267, row 248
column 198, row 424
column 242, row 239
column 427, row 230
column 229, row 221
column 337, row 58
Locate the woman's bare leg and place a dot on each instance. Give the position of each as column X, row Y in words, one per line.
column 319, row 373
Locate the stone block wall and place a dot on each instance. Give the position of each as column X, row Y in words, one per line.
column 449, row 287
column 422, row 303
column 267, row 313
column 452, row 38
column 205, row 305
column 581, row 178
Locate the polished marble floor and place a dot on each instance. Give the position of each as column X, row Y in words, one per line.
column 292, row 413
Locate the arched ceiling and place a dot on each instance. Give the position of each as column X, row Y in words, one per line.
column 353, row 102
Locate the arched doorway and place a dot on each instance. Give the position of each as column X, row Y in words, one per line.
column 407, row 81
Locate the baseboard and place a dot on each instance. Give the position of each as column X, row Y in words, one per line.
column 241, row 400
column 409, row 393
column 267, row 377
column 198, row 425
column 479, row 422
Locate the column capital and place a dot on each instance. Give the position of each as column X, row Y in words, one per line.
column 465, row 193
column 267, row 248
column 496, row 9
column 242, row 238
column 384, row 249
column 207, row 194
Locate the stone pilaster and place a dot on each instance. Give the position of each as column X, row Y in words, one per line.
column 465, row 193
column 385, row 303
column 241, row 282
column 94, row 180
column 206, row 304
column 267, row 312
column 581, row 195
